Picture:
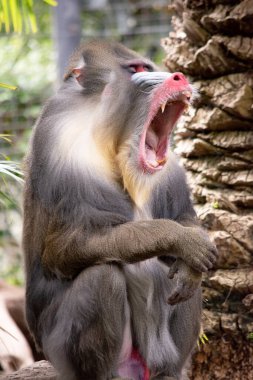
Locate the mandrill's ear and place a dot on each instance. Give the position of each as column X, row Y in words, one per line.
column 77, row 71
column 78, row 74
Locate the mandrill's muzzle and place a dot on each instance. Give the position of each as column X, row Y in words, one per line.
column 170, row 96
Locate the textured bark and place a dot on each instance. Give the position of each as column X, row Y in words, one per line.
column 212, row 42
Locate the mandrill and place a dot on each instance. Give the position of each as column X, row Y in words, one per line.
column 113, row 250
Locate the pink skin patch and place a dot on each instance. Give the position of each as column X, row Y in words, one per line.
column 134, row 367
column 169, row 101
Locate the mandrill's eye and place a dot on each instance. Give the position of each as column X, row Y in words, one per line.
column 137, row 67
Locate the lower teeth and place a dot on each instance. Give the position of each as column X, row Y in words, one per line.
column 153, row 163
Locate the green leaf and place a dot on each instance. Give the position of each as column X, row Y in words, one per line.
column 250, row 335
column 6, row 15
column 5, row 137
column 10, row 87
column 216, row 205
column 31, row 15
column 202, row 339
column 5, row 197
column 53, row 3
column 19, row 17
column 25, row 14
column 1, row 19
column 10, row 168
column 14, row 15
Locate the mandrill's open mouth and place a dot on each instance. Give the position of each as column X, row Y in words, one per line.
column 162, row 118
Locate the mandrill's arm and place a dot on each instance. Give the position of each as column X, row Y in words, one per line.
column 68, row 250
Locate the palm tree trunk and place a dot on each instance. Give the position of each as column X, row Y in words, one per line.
column 212, row 42
column 67, row 32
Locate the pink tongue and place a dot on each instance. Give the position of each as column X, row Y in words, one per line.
column 152, row 139
column 151, row 156
column 151, row 145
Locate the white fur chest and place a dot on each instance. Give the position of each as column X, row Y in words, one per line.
column 142, row 213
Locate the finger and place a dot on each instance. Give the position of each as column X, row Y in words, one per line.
column 200, row 266
column 180, row 297
column 175, row 295
column 212, row 251
column 180, row 294
column 207, row 261
column 212, row 259
column 215, row 251
column 174, row 298
column 209, row 264
column 173, row 270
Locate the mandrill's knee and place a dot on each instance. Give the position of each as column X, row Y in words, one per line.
column 99, row 280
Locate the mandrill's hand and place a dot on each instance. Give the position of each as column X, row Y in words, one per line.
column 195, row 249
column 187, row 281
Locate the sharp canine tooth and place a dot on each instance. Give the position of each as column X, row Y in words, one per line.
column 163, row 105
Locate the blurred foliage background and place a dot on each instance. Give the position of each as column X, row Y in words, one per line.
column 36, row 39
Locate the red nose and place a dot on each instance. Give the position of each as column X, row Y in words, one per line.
column 177, row 79
column 176, row 87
